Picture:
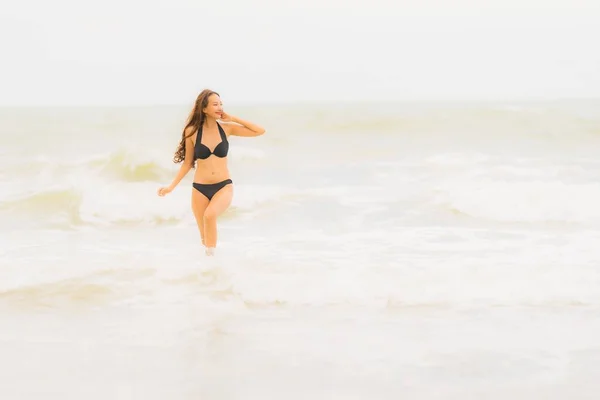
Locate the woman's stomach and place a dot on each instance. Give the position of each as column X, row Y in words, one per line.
column 211, row 170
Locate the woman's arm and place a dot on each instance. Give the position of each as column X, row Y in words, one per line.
column 183, row 170
column 241, row 127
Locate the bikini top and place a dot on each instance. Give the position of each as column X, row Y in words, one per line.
column 203, row 152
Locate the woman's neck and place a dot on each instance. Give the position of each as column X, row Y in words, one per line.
column 210, row 122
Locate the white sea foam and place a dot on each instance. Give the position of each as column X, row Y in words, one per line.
column 455, row 247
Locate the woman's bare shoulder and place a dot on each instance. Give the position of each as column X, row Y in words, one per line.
column 190, row 133
column 226, row 127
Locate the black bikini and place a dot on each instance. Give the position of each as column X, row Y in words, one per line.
column 210, row 189
column 203, row 152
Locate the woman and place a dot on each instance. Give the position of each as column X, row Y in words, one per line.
column 204, row 140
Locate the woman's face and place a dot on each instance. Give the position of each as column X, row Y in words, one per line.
column 214, row 108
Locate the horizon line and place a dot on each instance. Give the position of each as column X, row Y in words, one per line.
column 310, row 102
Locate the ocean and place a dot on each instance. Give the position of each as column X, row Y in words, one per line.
column 371, row 251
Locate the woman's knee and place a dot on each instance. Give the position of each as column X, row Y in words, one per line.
column 199, row 211
column 210, row 215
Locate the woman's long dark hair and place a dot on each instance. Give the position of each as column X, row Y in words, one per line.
column 195, row 120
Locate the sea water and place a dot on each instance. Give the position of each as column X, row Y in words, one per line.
column 371, row 251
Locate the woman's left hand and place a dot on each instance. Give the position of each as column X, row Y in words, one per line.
column 226, row 117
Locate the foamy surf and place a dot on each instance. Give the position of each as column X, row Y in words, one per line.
column 452, row 244
column 530, row 201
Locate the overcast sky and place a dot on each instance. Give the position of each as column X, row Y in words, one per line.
column 164, row 52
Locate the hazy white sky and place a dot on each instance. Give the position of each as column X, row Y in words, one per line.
column 148, row 52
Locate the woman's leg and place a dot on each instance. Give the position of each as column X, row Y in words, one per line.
column 199, row 204
column 218, row 204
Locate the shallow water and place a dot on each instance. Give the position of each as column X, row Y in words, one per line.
column 415, row 251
